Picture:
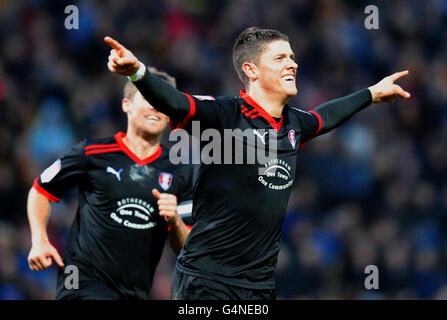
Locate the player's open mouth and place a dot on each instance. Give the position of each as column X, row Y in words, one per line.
column 153, row 118
column 289, row 78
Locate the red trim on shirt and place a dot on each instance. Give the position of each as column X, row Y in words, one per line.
column 96, row 146
column 119, row 138
column 279, row 124
column 192, row 112
column 249, row 113
column 105, row 150
column 320, row 126
column 268, row 117
column 302, row 145
column 44, row 192
column 320, row 122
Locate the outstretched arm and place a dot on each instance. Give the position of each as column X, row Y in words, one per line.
column 335, row 112
column 179, row 106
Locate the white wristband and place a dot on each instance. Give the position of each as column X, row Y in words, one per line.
column 139, row 74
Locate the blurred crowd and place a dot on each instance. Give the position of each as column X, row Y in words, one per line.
column 373, row 192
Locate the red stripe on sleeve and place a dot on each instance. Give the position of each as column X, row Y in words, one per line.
column 97, row 146
column 320, row 122
column 44, row 192
column 105, row 150
column 320, row 126
column 302, row 146
column 192, row 111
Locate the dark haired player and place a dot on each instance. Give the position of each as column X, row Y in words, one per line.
column 122, row 222
column 233, row 247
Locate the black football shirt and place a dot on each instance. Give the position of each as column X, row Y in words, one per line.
column 239, row 208
column 117, row 236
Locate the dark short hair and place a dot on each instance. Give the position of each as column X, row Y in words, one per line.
column 130, row 89
column 250, row 44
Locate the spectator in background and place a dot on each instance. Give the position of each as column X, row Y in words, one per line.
column 39, row 59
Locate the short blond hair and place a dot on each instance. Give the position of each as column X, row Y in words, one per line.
column 130, row 89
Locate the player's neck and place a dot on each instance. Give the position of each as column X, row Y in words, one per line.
column 142, row 146
column 269, row 102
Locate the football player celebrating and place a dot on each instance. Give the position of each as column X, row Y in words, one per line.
column 123, row 220
column 239, row 209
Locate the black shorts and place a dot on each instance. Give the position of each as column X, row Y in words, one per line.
column 189, row 287
column 88, row 289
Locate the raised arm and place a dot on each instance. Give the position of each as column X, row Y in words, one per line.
column 180, row 107
column 158, row 92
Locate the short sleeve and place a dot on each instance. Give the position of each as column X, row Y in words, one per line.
column 64, row 174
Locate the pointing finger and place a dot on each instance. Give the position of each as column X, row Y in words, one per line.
column 114, row 44
column 398, row 75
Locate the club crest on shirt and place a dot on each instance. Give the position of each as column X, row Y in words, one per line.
column 165, row 180
column 292, row 138
column 51, row 172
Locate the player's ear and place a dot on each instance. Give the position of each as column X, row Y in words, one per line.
column 250, row 70
column 126, row 104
